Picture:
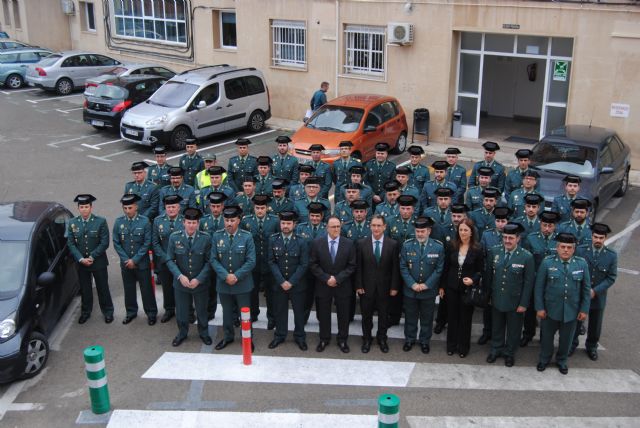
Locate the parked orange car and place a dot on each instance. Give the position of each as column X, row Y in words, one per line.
column 363, row 119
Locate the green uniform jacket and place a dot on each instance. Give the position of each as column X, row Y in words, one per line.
column 203, row 196
column 483, row 219
column 562, row 205
column 563, row 293
column 540, row 246
column 442, row 221
column 159, row 175
column 289, row 262
column 270, row 225
column 498, row 177
column 211, row 224
column 515, row 201
column 323, row 170
column 285, row 167
column 186, row 192
column 191, row 260
column 474, row 198
column 191, row 165
column 340, row 171
column 401, row 230
column 306, row 231
column 276, row 206
column 428, row 195
column 603, row 268
column 90, row 239
column 300, row 207
column 162, row 229
column 457, row 175
column 148, row 192
column 263, row 184
column 355, row 231
column 418, row 267
column 244, row 201
column 238, row 258
column 132, row 240
column 378, row 174
column 238, row 168
column 387, row 210
column 529, row 225
column 581, row 232
column 420, row 175
column 512, row 283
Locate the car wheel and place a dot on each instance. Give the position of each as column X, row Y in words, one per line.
column 624, row 185
column 14, row 81
column 256, row 121
column 401, row 144
column 64, row 86
column 37, row 355
column 179, row 138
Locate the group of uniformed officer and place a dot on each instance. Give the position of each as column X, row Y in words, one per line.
column 231, row 233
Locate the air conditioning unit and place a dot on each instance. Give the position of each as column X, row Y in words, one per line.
column 68, row 8
column 400, row 33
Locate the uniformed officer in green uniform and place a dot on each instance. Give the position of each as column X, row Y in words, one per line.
column 421, row 265
column 603, row 269
column 579, row 224
column 296, row 191
column 163, row 226
column 419, row 173
column 390, row 207
column 191, row 162
column 132, row 242
column 358, row 226
column 245, row 199
column 279, row 202
column 241, row 165
column 357, row 172
column 311, row 189
column 562, row 297
column 188, row 260
column 261, row 224
column 529, row 220
column 562, row 203
column 473, row 197
column 178, row 187
column 342, row 209
column 541, row 244
column 146, row 189
column 515, row 177
column 203, row 179
column 456, row 173
column 379, row 171
column 284, row 165
column 341, row 168
column 159, row 173
column 322, row 169
column 440, row 213
column 483, row 217
column 88, row 240
column 402, row 176
column 216, row 174
column 233, row 257
column 428, row 195
column 498, row 177
column 288, row 261
column 264, row 178
column 510, row 276
column 515, row 201
column 211, row 223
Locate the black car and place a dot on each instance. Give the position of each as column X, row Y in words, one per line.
column 105, row 108
column 38, row 280
column 597, row 155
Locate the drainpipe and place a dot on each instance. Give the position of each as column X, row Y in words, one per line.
column 337, row 45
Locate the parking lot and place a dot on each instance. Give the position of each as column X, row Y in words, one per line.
column 48, row 153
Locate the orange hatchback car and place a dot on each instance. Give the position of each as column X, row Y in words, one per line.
column 363, row 119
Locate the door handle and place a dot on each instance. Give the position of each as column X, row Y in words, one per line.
column 229, row 105
column 218, row 108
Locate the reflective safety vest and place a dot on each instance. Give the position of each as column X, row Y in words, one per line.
column 203, row 179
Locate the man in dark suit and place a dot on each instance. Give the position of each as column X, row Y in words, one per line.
column 332, row 262
column 377, row 279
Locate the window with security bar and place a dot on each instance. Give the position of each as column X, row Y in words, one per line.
column 162, row 20
column 364, row 50
column 289, row 43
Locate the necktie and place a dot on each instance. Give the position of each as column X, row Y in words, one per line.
column 422, row 248
column 565, row 265
column 377, row 251
column 332, row 250
column 260, row 224
column 286, row 242
column 507, row 257
column 441, row 216
column 190, row 241
column 230, row 240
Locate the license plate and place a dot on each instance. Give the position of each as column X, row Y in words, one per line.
column 101, row 123
column 131, row 132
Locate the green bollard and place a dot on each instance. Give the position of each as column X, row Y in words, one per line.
column 97, row 379
column 388, row 411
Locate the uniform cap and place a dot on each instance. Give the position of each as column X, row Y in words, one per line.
column 264, row 160
column 209, row 156
column 452, row 151
column 491, row 192
column 403, row 170
column 283, row 139
column 501, row 213
column 391, row 186
column 216, row 197
column 533, row 199
column 192, row 214
column 130, row 199
column 232, row 211
column 600, row 228
column 176, row 171
column 581, row 204
column 261, row 199
column 423, row 222
column 440, row 165
column 288, row 216
column 523, row 153
column 549, row 217
column 512, row 228
column 345, row 144
column 407, row 200
column 191, row 141
column 279, row 183
column 353, row 186
column 444, row 192
column 491, row 146
column 84, row 199
column 566, row 238
column 316, row 208
column 572, row 179
column 316, row 147
column 531, row 173
column 485, row 171
column 415, row 150
column 309, row 169
column 160, row 150
column 460, row 208
column 313, row 180
column 242, row 142
column 357, row 169
column 359, row 204
column 216, row 170
column 139, row 166
column 248, row 179
column 171, row 199
column 382, row 147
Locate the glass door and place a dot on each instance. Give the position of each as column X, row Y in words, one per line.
column 468, row 92
column 556, row 93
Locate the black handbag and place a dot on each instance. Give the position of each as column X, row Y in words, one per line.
column 477, row 296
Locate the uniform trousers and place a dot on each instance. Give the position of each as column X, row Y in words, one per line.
column 509, row 323
column 142, row 277
column 548, row 329
column 459, row 317
column 529, row 329
column 594, row 329
column 212, row 304
column 281, row 311
column 258, row 279
column 309, row 297
column 486, row 320
column 185, row 300
column 101, row 277
column 168, row 296
column 422, row 309
column 442, row 317
column 229, row 302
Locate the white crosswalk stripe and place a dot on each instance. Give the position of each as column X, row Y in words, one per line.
column 520, row 422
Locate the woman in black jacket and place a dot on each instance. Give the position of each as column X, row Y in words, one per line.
column 463, row 268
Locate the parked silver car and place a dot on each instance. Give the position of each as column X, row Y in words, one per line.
column 126, row 70
column 68, row 70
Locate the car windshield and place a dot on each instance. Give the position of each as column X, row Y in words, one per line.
column 12, row 267
column 564, row 158
column 111, row 92
column 50, row 60
column 173, row 94
column 336, row 119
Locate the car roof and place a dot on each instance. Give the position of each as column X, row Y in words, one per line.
column 581, row 134
column 17, row 219
column 78, row 52
column 132, row 78
column 27, row 49
column 202, row 75
column 360, row 100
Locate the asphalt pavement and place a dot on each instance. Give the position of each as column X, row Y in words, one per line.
column 48, row 153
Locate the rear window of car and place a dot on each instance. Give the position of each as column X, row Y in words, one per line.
column 8, row 58
column 50, row 60
column 111, row 92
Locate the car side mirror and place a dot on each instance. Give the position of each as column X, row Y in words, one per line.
column 369, row 128
column 46, row 279
column 201, row 104
column 606, row 170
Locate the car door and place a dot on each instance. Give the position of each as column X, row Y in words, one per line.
column 47, row 298
column 391, row 121
column 207, row 120
column 606, row 182
column 234, row 109
column 100, row 64
column 72, row 67
column 64, row 268
column 374, row 132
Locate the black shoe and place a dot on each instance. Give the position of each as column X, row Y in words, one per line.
column 344, row 347
column 583, row 330
column 491, row 358
column 541, row 366
column 108, row 319
column 366, row 346
column 572, row 350
column 211, row 316
column 425, row 348
column 438, row 328
column 222, row 344
column 275, row 342
column 321, row 346
column 484, row 339
column 236, row 322
column 83, row 318
column 302, row 345
column 271, row 324
column 178, row 340
column 167, row 316
column 450, row 353
column 592, row 354
column 152, row 321
column 206, row 340
column 192, row 319
column 407, row 346
column 128, row 319
column 384, row 347
column 462, row 354
column 563, row 369
column 524, row 341
column 509, row 361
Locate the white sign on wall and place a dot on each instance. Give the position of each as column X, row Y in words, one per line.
column 619, row 110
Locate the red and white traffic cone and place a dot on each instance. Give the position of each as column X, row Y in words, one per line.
column 246, row 336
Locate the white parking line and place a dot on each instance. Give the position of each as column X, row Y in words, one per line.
column 97, row 146
column 20, row 90
column 520, row 422
column 68, row 141
column 54, row 98
column 69, row 110
column 106, row 158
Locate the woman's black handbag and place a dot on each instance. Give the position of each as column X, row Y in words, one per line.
column 477, row 296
